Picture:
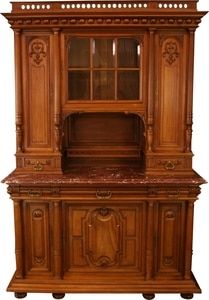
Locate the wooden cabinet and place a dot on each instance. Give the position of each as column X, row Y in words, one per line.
column 104, row 188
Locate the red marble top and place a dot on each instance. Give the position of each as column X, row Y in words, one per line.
column 102, row 175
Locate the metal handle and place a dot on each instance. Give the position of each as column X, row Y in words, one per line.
column 169, row 165
column 38, row 166
column 103, row 195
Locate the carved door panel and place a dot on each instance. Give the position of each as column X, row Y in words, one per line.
column 36, row 93
column 37, row 238
column 170, row 232
column 170, row 104
column 102, row 238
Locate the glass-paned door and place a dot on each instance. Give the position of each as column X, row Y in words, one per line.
column 104, row 69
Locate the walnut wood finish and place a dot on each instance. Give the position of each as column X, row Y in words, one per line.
column 104, row 189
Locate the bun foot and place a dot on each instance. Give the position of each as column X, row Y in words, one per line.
column 58, row 295
column 187, row 295
column 148, row 296
column 20, row 295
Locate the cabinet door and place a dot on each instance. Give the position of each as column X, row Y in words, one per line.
column 37, row 238
column 104, row 238
column 170, row 233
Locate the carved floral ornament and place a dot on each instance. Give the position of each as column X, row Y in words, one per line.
column 170, row 51
column 37, row 51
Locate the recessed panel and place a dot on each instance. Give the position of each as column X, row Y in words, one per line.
column 103, row 128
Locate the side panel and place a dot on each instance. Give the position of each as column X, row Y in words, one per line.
column 171, row 93
column 37, row 237
column 36, row 84
column 170, row 232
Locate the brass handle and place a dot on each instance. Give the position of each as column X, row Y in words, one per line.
column 38, row 166
column 170, row 165
column 103, row 195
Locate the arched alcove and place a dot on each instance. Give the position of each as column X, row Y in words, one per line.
column 103, row 138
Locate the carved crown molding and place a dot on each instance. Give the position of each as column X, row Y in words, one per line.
column 192, row 20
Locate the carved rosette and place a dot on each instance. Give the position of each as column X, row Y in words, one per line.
column 170, row 51
column 37, row 51
column 104, row 245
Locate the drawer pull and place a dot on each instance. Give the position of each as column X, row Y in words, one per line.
column 38, row 166
column 103, row 195
column 169, row 165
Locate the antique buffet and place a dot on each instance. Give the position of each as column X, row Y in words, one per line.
column 104, row 189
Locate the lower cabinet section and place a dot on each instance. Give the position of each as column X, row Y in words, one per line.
column 82, row 245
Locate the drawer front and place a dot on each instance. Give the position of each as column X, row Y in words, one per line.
column 104, row 237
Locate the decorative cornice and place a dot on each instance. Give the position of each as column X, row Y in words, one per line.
column 160, row 20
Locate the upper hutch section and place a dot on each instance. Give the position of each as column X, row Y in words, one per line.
column 104, row 81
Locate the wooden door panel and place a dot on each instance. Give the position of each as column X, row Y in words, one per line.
column 37, row 237
column 37, row 93
column 104, row 237
column 171, row 84
column 170, row 228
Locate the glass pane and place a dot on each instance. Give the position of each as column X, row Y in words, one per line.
column 128, row 85
column 103, row 85
column 103, row 53
column 79, row 53
column 79, row 85
column 128, row 53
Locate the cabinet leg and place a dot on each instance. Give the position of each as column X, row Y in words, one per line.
column 20, row 295
column 58, row 295
column 187, row 295
column 148, row 296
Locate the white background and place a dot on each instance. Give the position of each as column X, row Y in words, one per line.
column 200, row 164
